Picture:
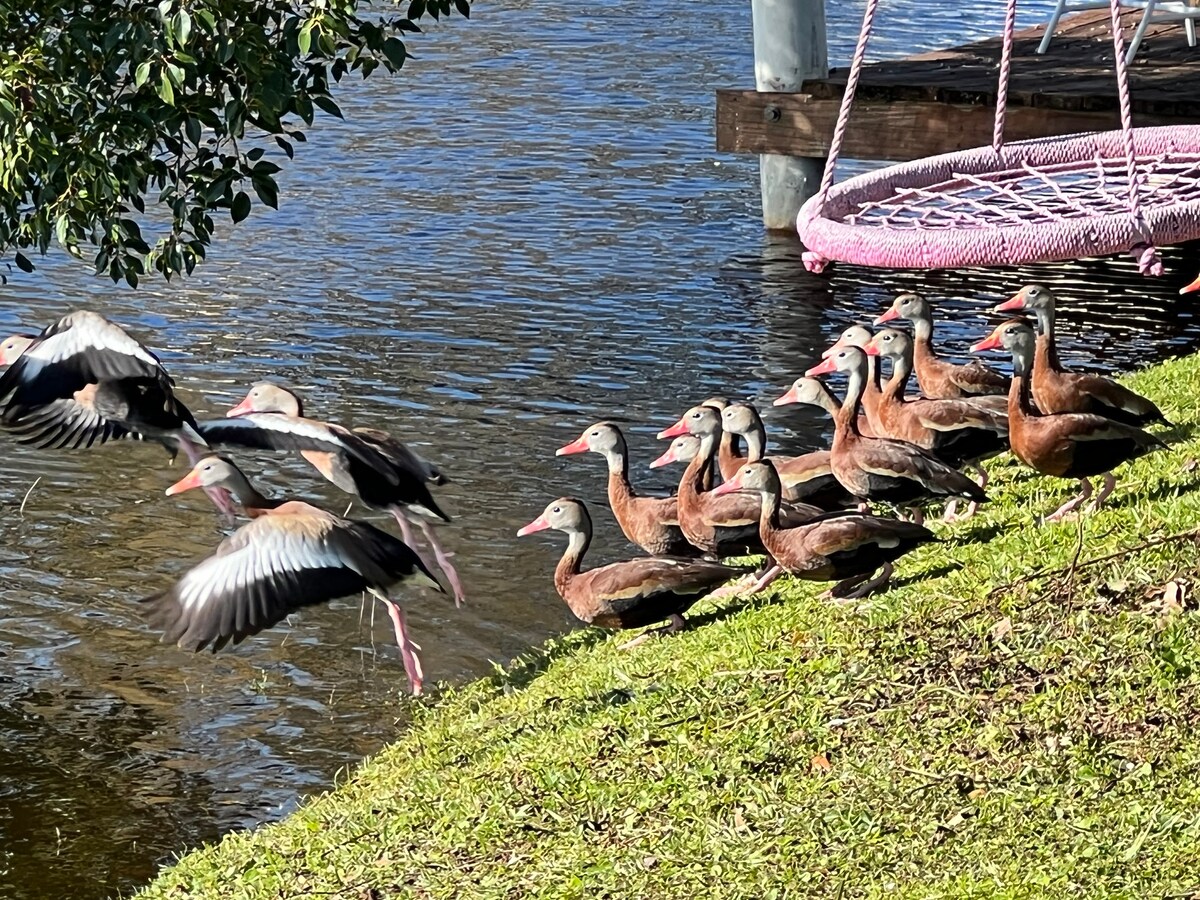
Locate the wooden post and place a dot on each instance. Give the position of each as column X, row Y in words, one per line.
column 789, row 46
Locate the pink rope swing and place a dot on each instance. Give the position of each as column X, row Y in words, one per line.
column 1030, row 201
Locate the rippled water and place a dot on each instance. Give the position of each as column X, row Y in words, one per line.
column 526, row 232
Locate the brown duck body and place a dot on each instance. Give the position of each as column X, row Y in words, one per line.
column 628, row 594
column 840, row 545
column 636, row 592
column 955, row 431
column 1064, row 445
column 1055, row 390
column 650, row 522
column 879, row 469
column 723, row 525
column 1070, row 445
column 940, row 379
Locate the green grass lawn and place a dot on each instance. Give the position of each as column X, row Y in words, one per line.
column 1012, row 720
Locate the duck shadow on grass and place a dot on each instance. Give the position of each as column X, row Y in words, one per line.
column 533, row 663
column 979, row 534
column 1162, row 490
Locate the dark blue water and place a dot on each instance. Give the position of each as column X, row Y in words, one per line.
column 527, row 231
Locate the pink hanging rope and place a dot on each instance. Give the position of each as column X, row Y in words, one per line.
column 1025, row 202
column 815, row 262
column 1143, row 251
column 1006, row 48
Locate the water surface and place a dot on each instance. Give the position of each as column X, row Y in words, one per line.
column 527, row 231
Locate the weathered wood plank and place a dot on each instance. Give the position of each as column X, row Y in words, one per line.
column 942, row 101
column 801, row 125
column 1076, row 74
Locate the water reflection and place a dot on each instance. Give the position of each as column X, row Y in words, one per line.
column 527, row 233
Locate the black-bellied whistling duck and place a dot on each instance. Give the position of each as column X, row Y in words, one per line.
column 290, row 555
column 958, row 432
column 880, row 469
column 13, row 346
column 684, row 449
column 813, row 392
column 629, row 594
column 84, row 380
column 940, row 379
column 729, row 453
column 723, row 524
column 650, row 522
column 859, row 336
column 1063, row 445
column 807, row 478
column 846, row 547
column 365, row 462
column 1055, row 390
column 1191, row 287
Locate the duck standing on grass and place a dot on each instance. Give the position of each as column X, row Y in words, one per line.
column 628, row 594
column 846, row 547
column 1056, row 390
column 1062, row 445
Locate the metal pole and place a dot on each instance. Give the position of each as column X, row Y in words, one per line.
column 789, row 46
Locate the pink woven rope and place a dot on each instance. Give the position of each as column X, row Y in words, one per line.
column 1100, row 226
column 1143, row 249
column 1006, row 48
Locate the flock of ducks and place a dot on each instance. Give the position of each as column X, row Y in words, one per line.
column 811, row 515
column 85, row 381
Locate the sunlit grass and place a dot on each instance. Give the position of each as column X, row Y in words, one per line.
column 973, row 733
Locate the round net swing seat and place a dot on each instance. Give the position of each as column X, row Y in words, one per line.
column 1033, row 201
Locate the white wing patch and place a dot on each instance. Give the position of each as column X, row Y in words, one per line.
column 82, row 331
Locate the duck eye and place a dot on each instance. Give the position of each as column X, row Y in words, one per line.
column 594, row 434
column 556, row 509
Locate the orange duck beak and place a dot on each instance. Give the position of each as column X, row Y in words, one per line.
column 891, row 315
column 822, row 368
column 538, row 524
column 789, row 396
column 733, row 484
column 991, row 342
column 1191, row 288
column 579, row 445
column 675, row 430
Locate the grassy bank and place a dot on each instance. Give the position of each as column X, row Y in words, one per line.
column 1017, row 719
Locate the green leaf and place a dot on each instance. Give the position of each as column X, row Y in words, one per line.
column 165, row 91
column 183, row 27
column 241, row 206
column 328, row 105
column 463, row 7
column 266, row 167
column 23, row 262
column 255, row 154
column 267, row 190
column 61, row 228
column 193, row 128
column 304, row 41
column 286, row 146
column 394, row 50
column 141, row 74
column 416, row 9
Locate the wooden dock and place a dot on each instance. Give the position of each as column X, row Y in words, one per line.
column 945, row 100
